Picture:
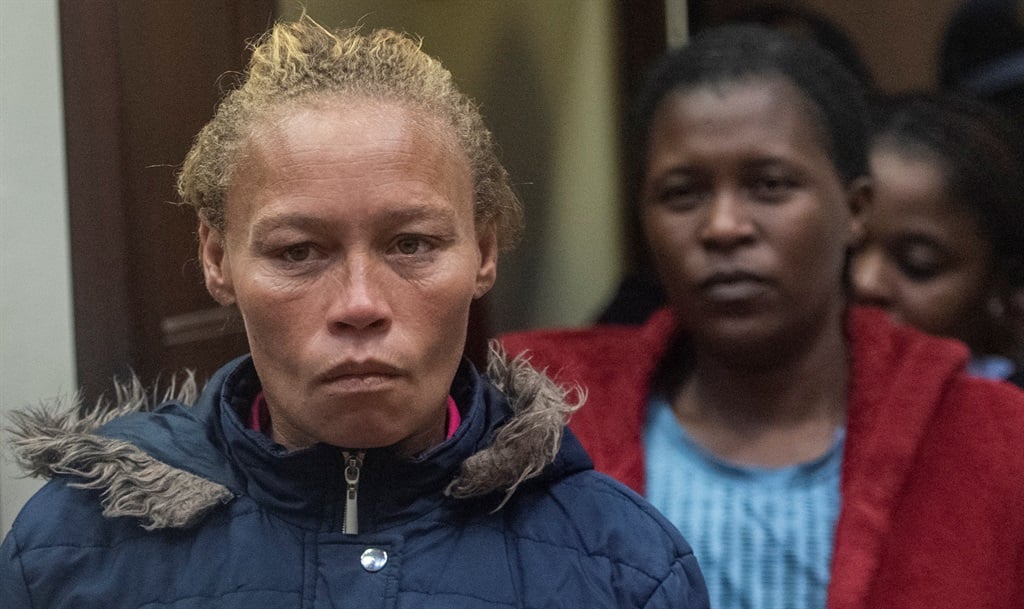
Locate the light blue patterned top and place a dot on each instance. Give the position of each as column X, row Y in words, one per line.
column 993, row 367
column 763, row 537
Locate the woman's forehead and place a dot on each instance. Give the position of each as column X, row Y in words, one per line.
column 337, row 153
column 750, row 114
column 381, row 115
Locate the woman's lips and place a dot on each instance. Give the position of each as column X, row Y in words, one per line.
column 734, row 287
column 358, row 377
column 360, row 383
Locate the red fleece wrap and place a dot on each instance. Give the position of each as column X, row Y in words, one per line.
column 933, row 474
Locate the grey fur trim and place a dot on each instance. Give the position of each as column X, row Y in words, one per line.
column 61, row 440
column 528, row 443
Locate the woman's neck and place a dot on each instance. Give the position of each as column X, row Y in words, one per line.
column 768, row 415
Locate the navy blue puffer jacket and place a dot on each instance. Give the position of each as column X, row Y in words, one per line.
column 184, row 507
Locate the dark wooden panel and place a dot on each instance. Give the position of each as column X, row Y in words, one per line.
column 642, row 39
column 140, row 79
column 96, row 190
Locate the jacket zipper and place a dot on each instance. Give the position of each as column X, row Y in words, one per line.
column 353, row 464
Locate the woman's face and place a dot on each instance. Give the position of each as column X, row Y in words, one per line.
column 351, row 251
column 746, row 216
column 924, row 258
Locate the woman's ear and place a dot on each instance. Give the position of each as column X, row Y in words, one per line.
column 487, row 242
column 859, row 195
column 216, row 266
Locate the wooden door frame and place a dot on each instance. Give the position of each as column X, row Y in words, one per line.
column 97, row 191
column 111, row 336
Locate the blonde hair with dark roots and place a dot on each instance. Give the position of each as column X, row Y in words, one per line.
column 302, row 60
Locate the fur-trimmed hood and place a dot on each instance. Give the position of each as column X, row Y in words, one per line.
column 58, row 439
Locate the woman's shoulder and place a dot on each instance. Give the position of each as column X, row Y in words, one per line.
column 911, row 395
column 61, row 514
column 992, row 403
column 595, row 351
column 604, row 524
column 567, row 340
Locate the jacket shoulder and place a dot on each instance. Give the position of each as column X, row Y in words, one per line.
column 614, row 535
column 990, row 418
column 902, row 375
column 58, row 514
column 61, row 523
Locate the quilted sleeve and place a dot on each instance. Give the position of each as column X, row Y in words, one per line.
column 684, row 587
column 13, row 588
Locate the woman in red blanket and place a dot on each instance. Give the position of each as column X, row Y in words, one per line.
column 812, row 452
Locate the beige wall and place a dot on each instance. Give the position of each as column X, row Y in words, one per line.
column 544, row 73
column 898, row 39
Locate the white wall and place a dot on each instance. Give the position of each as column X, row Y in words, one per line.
column 36, row 337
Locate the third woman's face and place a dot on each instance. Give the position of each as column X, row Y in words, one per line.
column 924, row 257
column 746, row 215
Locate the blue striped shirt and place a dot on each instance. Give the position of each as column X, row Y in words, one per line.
column 763, row 537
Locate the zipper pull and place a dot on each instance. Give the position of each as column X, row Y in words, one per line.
column 353, row 463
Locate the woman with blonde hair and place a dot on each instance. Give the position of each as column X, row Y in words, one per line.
column 351, row 205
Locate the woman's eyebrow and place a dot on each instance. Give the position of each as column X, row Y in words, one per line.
column 395, row 215
column 301, row 221
column 425, row 211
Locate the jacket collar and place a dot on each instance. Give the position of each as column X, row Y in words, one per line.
column 511, row 432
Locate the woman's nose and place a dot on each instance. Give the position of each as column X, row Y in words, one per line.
column 868, row 276
column 359, row 297
column 728, row 222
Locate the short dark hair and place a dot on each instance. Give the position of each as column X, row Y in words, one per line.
column 808, row 23
column 732, row 53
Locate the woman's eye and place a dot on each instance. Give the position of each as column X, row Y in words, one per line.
column 772, row 188
column 921, row 263
column 298, row 253
column 679, row 197
column 918, row 272
column 410, row 246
